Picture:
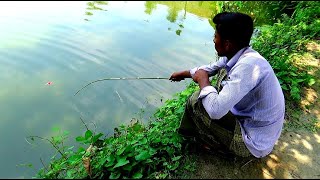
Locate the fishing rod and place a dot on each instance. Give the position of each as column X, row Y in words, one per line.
column 123, row 78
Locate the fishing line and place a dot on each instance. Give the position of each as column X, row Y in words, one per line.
column 123, row 78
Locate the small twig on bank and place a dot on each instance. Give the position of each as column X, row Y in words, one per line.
column 57, row 148
column 84, row 123
column 44, row 165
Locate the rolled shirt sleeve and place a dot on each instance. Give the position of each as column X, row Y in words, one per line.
column 207, row 90
column 210, row 68
column 239, row 83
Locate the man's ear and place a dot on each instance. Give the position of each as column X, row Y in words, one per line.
column 227, row 45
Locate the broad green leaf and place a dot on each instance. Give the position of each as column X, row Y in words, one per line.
column 133, row 142
column 180, row 110
column 127, row 167
column 80, row 138
column 170, row 150
column 163, row 175
column 114, row 175
column 121, row 162
column 110, row 158
column 143, row 156
column 152, row 151
column 158, row 139
column 311, row 82
column 109, row 163
column 299, row 80
column 176, row 158
column 129, row 136
column 129, row 149
column 102, row 160
column 144, row 141
column 96, row 137
column 137, row 127
column 293, row 74
column 137, row 175
column 57, row 140
column 175, row 165
column 284, row 87
column 88, row 134
column 148, row 161
column 69, row 173
column 121, row 151
column 74, row 158
column 81, row 150
column 130, row 154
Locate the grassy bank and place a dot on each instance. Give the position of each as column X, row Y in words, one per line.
column 154, row 150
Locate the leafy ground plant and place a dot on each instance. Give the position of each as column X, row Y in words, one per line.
column 134, row 151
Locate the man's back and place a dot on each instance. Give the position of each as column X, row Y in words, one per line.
column 261, row 110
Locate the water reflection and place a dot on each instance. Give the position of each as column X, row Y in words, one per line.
column 53, row 43
column 261, row 12
column 95, row 5
column 150, row 7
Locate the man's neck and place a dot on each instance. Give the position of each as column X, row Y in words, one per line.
column 231, row 54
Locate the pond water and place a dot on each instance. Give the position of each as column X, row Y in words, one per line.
column 49, row 50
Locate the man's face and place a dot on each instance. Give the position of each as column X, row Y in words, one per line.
column 219, row 45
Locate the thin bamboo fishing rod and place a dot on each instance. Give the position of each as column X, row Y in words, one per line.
column 123, row 78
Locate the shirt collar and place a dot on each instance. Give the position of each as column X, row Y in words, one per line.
column 235, row 58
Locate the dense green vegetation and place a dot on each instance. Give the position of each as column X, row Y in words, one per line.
column 284, row 40
column 155, row 150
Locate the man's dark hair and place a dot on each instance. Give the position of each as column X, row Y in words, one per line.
column 234, row 26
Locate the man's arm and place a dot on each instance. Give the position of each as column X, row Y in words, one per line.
column 202, row 78
column 240, row 82
column 181, row 75
column 211, row 69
